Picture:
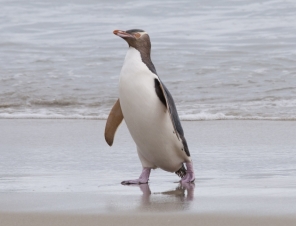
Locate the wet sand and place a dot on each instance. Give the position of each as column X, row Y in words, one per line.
column 61, row 172
column 141, row 219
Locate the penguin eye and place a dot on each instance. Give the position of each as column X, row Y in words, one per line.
column 137, row 35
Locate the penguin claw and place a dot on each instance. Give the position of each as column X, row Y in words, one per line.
column 143, row 179
column 189, row 178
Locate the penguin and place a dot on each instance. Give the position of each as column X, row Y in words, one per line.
column 150, row 113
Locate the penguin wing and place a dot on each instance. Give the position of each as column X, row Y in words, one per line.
column 114, row 119
column 166, row 98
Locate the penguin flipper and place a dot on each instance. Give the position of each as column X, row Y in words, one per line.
column 166, row 98
column 114, row 119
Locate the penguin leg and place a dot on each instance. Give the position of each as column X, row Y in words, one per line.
column 189, row 177
column 143, row 179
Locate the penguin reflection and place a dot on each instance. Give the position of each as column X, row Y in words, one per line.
column 171, row 200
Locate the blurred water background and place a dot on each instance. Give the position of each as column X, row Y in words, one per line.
column 223, row 59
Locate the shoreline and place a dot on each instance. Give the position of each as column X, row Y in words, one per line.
column 181, row 119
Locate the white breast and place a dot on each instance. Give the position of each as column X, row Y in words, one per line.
column 146, row 117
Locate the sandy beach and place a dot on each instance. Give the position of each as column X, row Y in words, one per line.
column 61, row 172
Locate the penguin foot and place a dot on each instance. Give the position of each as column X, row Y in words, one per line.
column 143, row 179
column 189, row 177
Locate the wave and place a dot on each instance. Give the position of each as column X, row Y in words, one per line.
column 190, row 117
column 51, row 116
column 220, row 116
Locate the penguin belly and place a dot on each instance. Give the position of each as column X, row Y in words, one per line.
column 147, row 119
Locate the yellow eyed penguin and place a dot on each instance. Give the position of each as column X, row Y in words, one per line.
column 150, row 113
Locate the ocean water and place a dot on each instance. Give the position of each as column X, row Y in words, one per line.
column 220, row 59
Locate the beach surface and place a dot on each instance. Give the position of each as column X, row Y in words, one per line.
column 62, row 172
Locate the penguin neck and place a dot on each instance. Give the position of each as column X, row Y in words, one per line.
column 146, row 59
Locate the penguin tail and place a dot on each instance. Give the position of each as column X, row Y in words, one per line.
column 182, row 171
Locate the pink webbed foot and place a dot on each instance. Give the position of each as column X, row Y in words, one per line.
column 143, row 179
column 189, row 177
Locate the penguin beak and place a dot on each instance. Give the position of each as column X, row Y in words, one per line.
column 123, row 34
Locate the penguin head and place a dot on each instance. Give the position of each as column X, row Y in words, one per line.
column 136, row 38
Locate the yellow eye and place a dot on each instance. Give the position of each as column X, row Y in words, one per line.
column 137, row 35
